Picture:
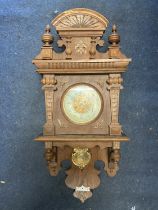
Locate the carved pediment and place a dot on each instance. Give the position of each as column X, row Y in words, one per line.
column 79, row 18
column 80, row 32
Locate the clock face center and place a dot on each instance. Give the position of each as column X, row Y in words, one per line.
column 81, row 104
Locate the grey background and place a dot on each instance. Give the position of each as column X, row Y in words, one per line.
column 28, row 185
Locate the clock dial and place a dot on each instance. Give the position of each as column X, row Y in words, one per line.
column 81, row 104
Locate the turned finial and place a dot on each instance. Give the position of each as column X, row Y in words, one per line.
column 47, row 37
column 47, row 29
column 114, row 38
column 114, row 29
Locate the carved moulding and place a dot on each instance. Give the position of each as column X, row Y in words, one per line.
column 80, row 32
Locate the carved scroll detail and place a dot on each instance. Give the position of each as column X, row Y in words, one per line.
column 67, row 43
column 99, row 124
column 101, row 83
column 94, row 42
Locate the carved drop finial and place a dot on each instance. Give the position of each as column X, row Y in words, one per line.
column 47, row 37
column 114, row 38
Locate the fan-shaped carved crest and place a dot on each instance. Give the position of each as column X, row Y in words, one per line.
column 80, row 18
column 79, row 21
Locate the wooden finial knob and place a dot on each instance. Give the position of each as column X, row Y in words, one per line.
column 114, row 38
column 47, row 29
column 47, row 38
column 114, row 29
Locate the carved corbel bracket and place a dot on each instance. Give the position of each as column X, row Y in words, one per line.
column 113, row 159
column 51, row 158
column 55, row 155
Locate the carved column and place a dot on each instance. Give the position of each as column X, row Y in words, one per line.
column 114, row 87
column 49, row 83
column 68, row 50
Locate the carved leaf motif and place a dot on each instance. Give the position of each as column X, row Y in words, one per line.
column 99, row 124
column 100, row 42
column 101, row 83
column 60, row 42
column 81, row 47
column 62, row 83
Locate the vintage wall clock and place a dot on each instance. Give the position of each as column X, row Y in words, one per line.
column 81, row 87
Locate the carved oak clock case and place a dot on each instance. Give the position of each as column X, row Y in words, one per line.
column 81, row 87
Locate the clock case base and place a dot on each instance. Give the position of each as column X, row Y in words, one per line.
column 101, row 147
